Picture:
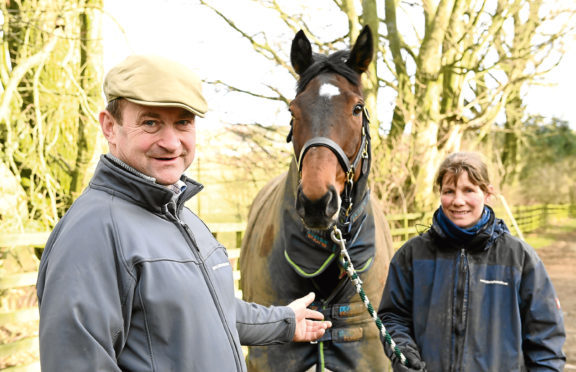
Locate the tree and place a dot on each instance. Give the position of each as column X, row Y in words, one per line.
column 454, row 67
column 524, row 39
column 467, row 69
column 546, row 170
column 49, row 63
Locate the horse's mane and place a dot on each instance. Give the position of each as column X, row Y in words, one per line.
column 335, row 62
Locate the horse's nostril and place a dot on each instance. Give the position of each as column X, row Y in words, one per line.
column 300, row 202
column 331, row 202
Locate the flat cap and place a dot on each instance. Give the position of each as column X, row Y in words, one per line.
column 155, row 81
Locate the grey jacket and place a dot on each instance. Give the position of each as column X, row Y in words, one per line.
column 132, row 281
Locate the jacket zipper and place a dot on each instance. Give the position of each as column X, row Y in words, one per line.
column 460, row 310
column 188, row 235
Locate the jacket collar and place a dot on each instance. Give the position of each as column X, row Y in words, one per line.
column 482, row 240
column 128, row 184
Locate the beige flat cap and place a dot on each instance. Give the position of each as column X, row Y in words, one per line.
column 155, row 81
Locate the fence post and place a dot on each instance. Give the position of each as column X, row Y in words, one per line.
column 238, row 239
column 512, row 219
column 406, row 235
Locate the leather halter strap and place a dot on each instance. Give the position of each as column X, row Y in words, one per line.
column 345, row 163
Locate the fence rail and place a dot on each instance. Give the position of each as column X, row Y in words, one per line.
column 403, row 227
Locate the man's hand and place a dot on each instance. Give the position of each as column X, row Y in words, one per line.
column 308, row 329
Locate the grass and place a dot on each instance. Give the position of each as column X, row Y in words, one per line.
column 556, row 230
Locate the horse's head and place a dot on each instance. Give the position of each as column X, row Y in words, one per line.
column 329, row 127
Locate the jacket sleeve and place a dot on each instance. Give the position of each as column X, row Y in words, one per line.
column 395, row 310
column 260, row 325
column 81, row 299
column 543, row 324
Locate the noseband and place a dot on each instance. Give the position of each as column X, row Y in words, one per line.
column 348, row 167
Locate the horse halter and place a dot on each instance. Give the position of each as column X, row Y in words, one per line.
column 349, row 167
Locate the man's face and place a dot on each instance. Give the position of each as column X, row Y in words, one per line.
column 157, row 141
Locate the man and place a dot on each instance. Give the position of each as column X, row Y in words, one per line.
column 130, row 279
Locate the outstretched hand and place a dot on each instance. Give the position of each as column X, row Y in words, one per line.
column 309, row 323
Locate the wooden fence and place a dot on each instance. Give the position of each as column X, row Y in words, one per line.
column 19, row 319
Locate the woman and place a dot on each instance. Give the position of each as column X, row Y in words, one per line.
column 467, row 295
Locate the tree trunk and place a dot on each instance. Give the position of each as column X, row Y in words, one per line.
column 46, row 76
column 90, row 82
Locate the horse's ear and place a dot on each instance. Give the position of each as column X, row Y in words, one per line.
column 301, row 53
column 362, row 52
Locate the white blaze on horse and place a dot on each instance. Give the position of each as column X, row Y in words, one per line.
column 287, row 249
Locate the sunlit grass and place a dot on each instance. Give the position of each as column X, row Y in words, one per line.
column 555, row 230
column 539, row 241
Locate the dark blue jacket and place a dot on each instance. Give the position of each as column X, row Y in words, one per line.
column 488, row 305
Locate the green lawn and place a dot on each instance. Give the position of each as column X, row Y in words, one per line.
column 556, row 230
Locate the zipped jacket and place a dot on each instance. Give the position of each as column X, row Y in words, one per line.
column 488, row 305
column 131, row 280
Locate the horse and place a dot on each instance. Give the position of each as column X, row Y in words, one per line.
column 287, row 250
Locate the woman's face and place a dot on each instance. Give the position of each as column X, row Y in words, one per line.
column 462, row 201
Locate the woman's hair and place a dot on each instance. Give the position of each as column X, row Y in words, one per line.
column 470, row 162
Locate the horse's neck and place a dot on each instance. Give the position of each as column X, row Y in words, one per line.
column 292, row 180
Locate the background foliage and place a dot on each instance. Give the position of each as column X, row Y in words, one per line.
column 50, row 72
column 456, row 71
column 449, row 75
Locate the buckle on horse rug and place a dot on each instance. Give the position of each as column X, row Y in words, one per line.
column 344, row 311
column 348, row 334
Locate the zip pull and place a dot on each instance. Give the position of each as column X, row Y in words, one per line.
column 189, row 233
column 463, row 260
column 172, row 208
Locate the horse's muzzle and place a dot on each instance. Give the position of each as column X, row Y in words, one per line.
column 319, row 214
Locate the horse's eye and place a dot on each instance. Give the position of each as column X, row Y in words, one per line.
column 357, row 110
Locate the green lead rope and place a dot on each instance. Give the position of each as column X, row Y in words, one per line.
column 346, row 262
